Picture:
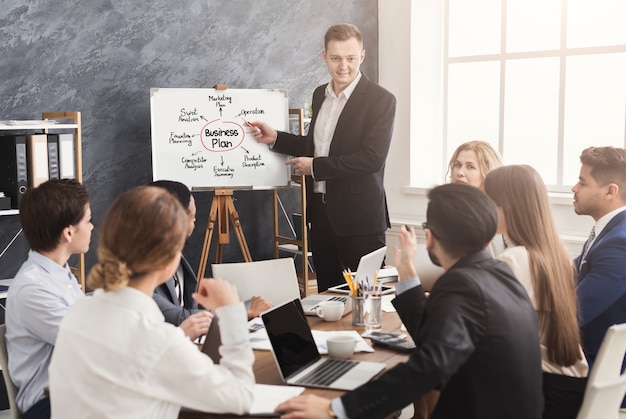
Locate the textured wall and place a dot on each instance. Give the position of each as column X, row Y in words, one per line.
column 101, row 57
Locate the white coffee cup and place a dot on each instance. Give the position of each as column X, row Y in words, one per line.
column 330, row 311
column 340, row 346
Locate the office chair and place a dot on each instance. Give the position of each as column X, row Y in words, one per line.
column 606, row 385
column 273, row 279
column 4, row 364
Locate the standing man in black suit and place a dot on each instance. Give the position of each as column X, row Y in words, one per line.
column 476, row 334
column 343, row 156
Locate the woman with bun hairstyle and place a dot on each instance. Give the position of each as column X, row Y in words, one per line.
column 540, row 261
column 115, row 355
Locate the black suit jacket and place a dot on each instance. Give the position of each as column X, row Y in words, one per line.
column 477, row 342
column 354, row 168
column 166, row 299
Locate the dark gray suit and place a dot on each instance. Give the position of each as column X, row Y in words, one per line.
column 166, row 299
column 477, row 342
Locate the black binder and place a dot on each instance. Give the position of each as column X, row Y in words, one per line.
column 13, row 167
column 53, row 156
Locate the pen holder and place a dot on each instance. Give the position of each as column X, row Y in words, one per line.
column 358, row 304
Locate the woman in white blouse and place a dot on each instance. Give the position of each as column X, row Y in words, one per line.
column 540, row 261
column 115, row 355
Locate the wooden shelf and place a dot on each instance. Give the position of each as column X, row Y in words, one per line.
column 48, row 124
column 44, row 125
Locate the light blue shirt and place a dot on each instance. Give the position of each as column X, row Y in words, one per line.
column 38, row 298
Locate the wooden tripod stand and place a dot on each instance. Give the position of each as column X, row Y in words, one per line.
column 222, row 207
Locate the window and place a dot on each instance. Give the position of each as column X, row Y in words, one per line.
column 539, row 79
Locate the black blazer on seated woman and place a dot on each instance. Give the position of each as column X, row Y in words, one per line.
column 477, row 342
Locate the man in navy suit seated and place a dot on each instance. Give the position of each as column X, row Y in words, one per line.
column 601, row 193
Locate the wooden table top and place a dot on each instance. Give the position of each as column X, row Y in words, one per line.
column 266, row 372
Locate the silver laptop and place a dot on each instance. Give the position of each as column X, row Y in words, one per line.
column 298, row 360
column 369, row 265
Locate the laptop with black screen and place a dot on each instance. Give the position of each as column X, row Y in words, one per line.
column 298, row 360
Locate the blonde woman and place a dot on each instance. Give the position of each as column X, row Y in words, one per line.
column 471, row 162
column 541, row 263
column 115, row 355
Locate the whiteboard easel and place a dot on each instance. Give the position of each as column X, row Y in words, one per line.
column 199, row 137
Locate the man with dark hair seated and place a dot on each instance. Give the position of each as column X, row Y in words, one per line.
column 476, row 335
column 174, row 297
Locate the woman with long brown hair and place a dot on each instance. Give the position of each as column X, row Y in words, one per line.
column 540, row 261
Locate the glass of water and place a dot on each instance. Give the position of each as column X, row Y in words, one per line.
column 372, row 309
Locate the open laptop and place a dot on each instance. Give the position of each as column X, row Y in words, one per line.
column 298, row 360
column 213, row 341
column 213, row 338
column 368, row 265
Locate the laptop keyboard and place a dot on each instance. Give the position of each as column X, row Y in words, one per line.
column 339, row 298
column 327, row 372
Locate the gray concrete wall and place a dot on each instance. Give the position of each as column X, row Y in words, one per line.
column 101, row 57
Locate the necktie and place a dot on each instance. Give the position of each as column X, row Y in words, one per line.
column 178, row 289
column 588, row 244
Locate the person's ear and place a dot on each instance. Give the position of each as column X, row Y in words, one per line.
column 67, row 234
column 612, row 191
column 430, row 239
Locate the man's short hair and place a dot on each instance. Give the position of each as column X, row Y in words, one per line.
column 49, row 208
column 342, row 32
column 608, row 165
column 462, row 218
column 179, row 190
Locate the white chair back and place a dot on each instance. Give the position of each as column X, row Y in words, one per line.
column 428, row 272
column 4, row 364
column 273, row 279
column 606, row 385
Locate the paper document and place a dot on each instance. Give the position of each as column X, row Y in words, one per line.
column 388, row 274
column 267, row 397
column 260, row 341
column 386, row 304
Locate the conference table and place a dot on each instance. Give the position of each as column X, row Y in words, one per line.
column 266, row 372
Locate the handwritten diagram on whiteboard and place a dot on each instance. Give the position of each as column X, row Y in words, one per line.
column 199, row 137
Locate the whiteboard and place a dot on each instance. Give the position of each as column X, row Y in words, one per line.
column 199, row 137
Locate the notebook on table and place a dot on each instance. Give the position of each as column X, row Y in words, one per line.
column 297, row 358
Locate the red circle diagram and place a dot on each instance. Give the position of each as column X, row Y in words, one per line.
column 220, row 136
